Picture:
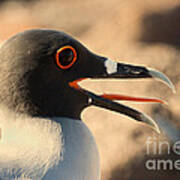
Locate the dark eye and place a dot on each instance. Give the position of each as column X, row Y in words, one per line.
column 66, row 57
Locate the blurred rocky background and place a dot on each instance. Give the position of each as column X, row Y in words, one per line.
column 143, row 32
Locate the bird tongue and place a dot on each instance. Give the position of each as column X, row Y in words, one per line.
column 131, row 98
column 118, row 97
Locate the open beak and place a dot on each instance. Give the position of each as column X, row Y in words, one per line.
column 120, row 70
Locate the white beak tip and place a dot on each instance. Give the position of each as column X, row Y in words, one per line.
column 162, row 77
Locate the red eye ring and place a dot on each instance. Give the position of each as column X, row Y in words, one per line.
column 74, row 57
